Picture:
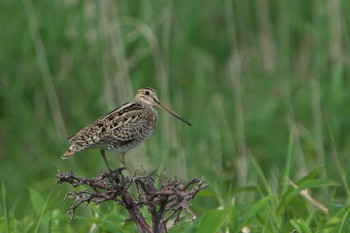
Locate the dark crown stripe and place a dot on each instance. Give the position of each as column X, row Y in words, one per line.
column 149, row 88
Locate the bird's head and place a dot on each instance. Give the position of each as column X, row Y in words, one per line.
column 149, row 96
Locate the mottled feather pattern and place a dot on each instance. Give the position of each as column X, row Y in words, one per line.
column 123, row 128
column 118, row 130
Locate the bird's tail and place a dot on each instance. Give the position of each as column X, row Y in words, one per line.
column 71, row 151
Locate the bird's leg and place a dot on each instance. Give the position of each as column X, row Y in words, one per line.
column 122, row 161
column 104, row 159
column 110, row 176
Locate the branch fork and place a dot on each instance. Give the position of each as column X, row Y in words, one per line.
column 165, row 203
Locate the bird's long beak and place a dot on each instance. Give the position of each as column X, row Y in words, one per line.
column 173, row 113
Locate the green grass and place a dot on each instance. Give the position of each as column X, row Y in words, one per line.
column 265, row 84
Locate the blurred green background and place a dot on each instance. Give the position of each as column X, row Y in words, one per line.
column 265, row 84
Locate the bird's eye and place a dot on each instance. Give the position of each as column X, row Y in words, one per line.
column 147, row 92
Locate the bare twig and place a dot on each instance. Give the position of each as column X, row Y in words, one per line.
column 164, row 203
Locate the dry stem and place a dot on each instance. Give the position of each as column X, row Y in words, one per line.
column 164, row 203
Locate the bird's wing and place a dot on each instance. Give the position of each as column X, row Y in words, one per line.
column 119, row 124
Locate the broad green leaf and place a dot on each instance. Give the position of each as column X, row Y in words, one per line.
column 213, row 220
column 257, row 207
column 37, row 200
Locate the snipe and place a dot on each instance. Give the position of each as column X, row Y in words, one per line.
column 121, row 129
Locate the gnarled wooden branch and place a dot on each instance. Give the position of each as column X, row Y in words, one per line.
column 164, row 203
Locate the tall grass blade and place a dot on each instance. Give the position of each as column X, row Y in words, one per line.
column 260, row 174
column 344, row 221
column 288, row 163
column 339, row 164
column 5, row 207
column 44, row 67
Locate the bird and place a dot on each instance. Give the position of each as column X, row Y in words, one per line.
column 122, row 129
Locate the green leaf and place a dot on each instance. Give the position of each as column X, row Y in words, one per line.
column 300, row 226
column 316, row 183
column 312, row 174
column 213, row 220
column 336, row 209
column 288, row 163
column 261, row 174
column 256, row 208
column 40, row 206
column 307, row 184
column 5, row 207
column 344, row 221
column 37, row 200
column 331, row 225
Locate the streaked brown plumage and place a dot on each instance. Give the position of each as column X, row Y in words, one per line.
column 121, row 129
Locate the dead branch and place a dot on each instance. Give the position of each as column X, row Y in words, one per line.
column 164, row 203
